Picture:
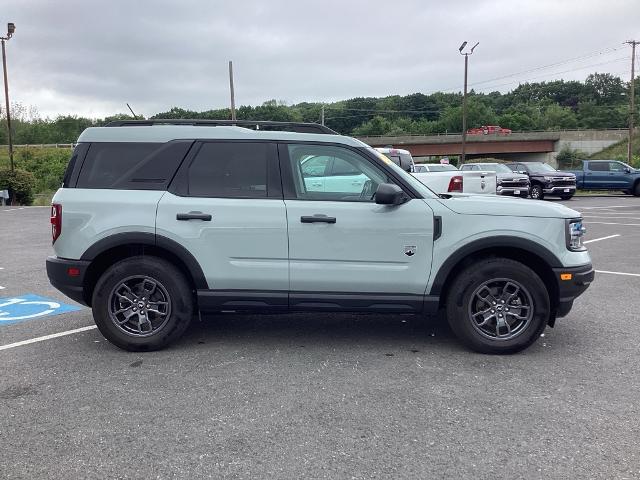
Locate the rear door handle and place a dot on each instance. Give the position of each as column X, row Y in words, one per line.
column 205, row 217
column 318, row 218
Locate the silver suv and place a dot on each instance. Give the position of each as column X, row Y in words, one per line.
column 157, row 221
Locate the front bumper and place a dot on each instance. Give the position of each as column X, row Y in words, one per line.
column 68, row 277
column 576, row 281
column 523, row 190
column 562, row 190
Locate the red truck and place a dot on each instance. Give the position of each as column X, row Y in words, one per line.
column 489, row 130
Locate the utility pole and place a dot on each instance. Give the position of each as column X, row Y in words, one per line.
column 464, row 100
column 632, row 107
column 322, row 115
column 233, row 99
column 11, row 28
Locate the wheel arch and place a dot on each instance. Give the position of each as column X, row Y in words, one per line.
column 109, row 250
column 538, row 258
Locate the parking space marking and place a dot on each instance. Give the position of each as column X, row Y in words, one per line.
column 619, row 273
column 612, row 223
column 602, row 238
column 611, row 206
column 46, row 337
column 29, row 306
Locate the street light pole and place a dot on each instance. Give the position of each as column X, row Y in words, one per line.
column 464, row 100
column 10, row 29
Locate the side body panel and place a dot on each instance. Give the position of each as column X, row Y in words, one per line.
column 369, row 249
column 89, row 215
column 244, row 246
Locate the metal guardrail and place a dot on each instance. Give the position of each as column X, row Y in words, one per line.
column 42, row 145
column 450, row 134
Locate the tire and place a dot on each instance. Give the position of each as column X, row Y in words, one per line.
column 465, row 302
column 636, row 189
column 566, row 197
column 536, row 192
column 118, row 298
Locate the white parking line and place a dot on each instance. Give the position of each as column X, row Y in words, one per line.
column 619, row 273
column 46, row 337
column 611, row 206
column 613, row 217
column 602, row 238
column 612, row 223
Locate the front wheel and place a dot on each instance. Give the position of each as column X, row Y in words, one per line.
column 142, row 303
column 498, row 305
column 636, row 190
column 536, row 192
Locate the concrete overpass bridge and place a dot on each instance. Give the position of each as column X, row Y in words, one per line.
column 523, row 146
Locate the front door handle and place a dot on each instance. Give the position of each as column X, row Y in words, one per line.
column 318, row 218
column 205, row 217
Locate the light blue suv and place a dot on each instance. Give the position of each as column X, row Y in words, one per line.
column 158, row 220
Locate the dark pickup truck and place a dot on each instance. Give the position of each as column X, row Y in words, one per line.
column 608, row 175
column 546, row 180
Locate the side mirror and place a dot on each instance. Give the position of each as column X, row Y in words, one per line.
column 390, row 194
column 627, row 170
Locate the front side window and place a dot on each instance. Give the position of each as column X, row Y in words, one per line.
column 229, row 170
column 326, row 172
column 617, row 167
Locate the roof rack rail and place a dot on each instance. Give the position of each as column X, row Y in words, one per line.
column 299, row 127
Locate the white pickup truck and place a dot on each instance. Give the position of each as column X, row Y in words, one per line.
column 457, row 181
column 447, row 181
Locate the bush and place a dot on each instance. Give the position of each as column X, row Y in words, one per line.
column 20, row 184
column 568, row 158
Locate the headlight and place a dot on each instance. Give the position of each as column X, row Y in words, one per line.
column 575, row 232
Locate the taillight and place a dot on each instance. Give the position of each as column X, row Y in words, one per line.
column 455, row 184
column 56, row 221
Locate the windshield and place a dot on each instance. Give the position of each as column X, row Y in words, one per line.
column 441, row 167
column 538, row 167
column 495, row 167
column 410, row 179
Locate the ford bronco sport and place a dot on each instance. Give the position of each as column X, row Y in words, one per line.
column 157, row 220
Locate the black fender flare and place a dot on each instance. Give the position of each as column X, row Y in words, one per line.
column 500, row 241
column 151, row 240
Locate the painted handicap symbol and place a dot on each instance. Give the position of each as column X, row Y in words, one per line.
column 27, row 307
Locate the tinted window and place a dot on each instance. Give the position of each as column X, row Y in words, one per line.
column 229, row 170
column 128, row 166
column 599, row 166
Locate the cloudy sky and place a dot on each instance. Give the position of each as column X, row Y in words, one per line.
column 88, row 57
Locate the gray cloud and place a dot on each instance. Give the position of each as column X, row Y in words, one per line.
column 89, row 58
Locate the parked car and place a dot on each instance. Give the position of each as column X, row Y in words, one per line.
column 546, row 180
column 507, row 181
column 489, row 130
column 455, row 181
column 156, row 222
column 434, row 167
column 607, row 175
column 400, row 157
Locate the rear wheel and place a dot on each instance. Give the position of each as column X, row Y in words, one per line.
column 636, row 189
column 536, row 192
column 142, row 303
column 498, row 305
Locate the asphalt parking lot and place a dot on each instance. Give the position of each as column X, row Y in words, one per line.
column 325, row 396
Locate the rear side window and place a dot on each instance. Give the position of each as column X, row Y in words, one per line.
column 229, row 170
column 131, row 166
column 599, row 166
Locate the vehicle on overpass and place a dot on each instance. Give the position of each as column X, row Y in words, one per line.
column 546, row 180
column 159, row 220
column 489, row 130
column 607, row 175
column 507, row 181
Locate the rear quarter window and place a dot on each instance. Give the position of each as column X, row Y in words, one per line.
column 131, row 166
